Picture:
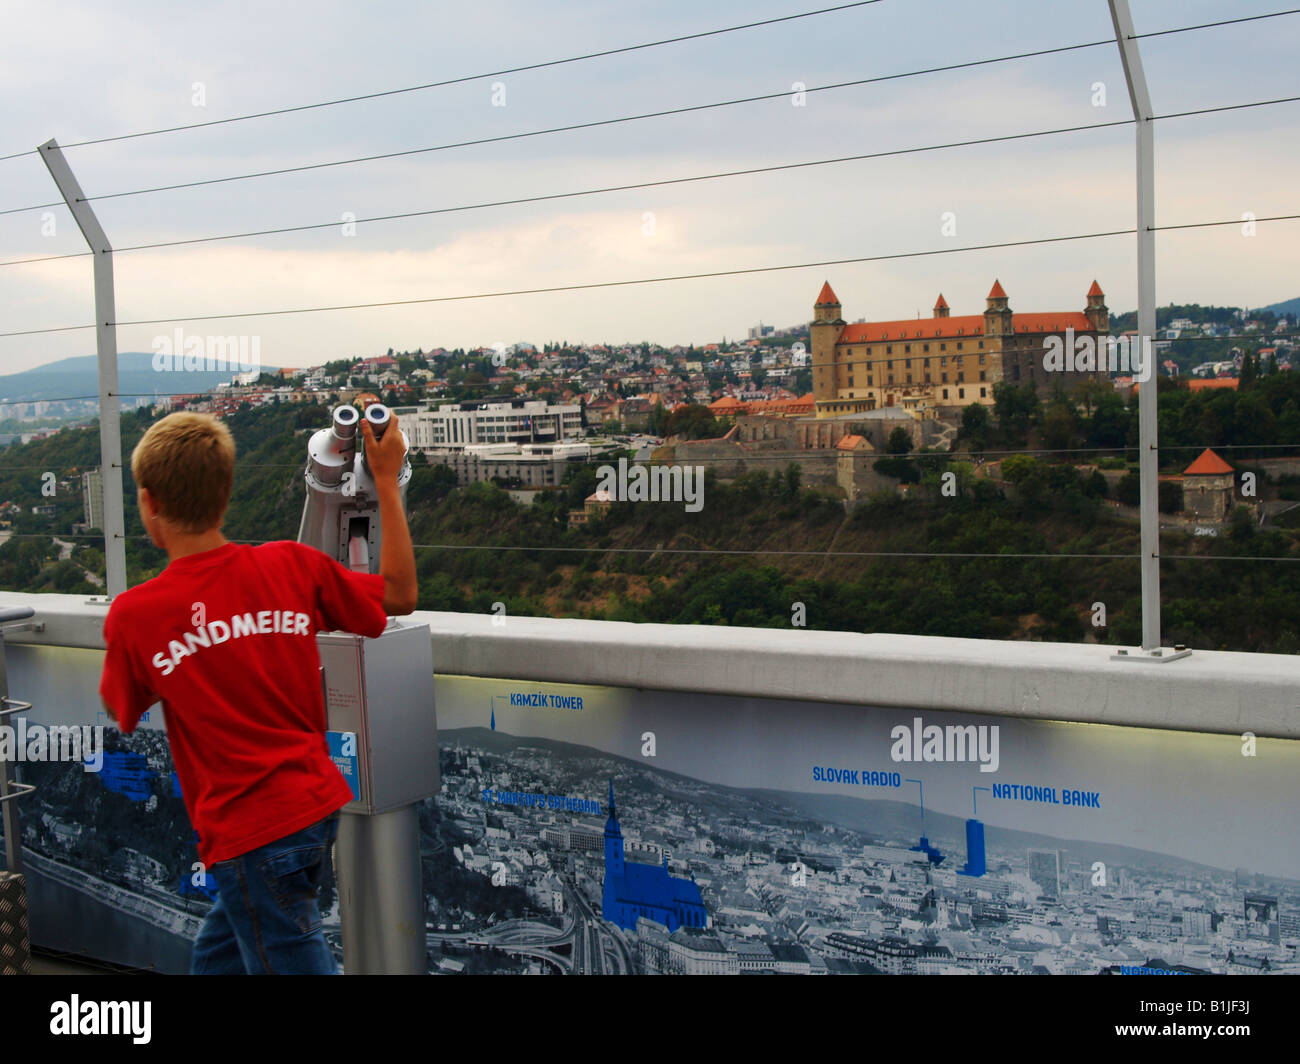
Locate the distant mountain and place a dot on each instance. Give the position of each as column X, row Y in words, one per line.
column 1290, row 306
column 80, row 377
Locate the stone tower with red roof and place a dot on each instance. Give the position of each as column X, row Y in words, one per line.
column 1207, row 487
column 823, row 335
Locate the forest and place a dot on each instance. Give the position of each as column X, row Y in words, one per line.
column 1028, row 556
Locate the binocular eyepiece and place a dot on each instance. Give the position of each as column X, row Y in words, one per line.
column 340, row 514
column 346, row 419
column 345, row 422
column 332, row 452
column 379, row 417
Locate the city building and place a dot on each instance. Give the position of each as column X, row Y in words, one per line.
column 1260, row 914
column 1045, row 870
column 515, row 420
column 694, row 952
column 891, row 954
column 754, row 956
column 92, row 497
column 529, row 465
column 595, row 505
column 582, row 837
column 652, row 945
column 790, row 958
column 926, row 365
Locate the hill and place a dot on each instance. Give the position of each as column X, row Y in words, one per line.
column 1283, row 309
column 925, row 565
column 79, row 376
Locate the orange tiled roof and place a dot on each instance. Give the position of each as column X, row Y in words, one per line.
column 1052, row 321
column 960, row 326
column 913, row 329
column 1209, row 464
column 941, row 303
column 827, row 295
column 848, row 443
column 996, row 291
column 802, row 404
column 1095, row 290
column 1199, row 384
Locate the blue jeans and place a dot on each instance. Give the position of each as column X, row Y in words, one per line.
column 266, row 920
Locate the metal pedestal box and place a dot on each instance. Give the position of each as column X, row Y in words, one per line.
column 379, row 692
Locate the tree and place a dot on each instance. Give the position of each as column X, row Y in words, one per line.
column 1169, row 496
column 899, row 442
column 1060, row 426
column 1129, row 489
column 1095, row 486
column 793, row 477
column 1019, row 467
column 1089, row 392
column 658, row 423
column 1110, row 422
column 693, row 422
column 975, row 424
column 1249, row 372
column 1015, row 406
column 1241, row 524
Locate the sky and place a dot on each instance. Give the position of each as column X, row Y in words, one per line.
column 75, row 71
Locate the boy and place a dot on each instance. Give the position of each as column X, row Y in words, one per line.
column 225, row 638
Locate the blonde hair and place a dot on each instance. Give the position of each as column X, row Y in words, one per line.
column 186, row 461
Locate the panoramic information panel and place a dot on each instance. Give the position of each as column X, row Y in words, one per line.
column 597, row 830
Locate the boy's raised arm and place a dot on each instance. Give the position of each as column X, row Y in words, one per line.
column 396, row 555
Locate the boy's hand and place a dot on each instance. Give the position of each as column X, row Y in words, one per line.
column 396, row 555
column 384, row 456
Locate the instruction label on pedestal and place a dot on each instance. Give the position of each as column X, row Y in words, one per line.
column 343, row 752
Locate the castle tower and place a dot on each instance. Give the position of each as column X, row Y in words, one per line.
column 824, row 332
column 1097, row 312
column 997, row 314
column 613, row 841
column 941, row 307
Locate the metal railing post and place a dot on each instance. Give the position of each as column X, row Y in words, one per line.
column 1148, row 455
column 9, row 789
column 110, row 415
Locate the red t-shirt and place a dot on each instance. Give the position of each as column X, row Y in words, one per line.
column 226, row 640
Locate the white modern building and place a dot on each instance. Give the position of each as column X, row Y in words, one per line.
column 521, row 421
column 92, row 497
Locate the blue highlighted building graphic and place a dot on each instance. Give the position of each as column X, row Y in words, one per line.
column 128, row 774
column 974, row 849
column 933, row 855
column 207, row 888
column 633, row 890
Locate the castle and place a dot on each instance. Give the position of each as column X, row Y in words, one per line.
column 929, row 364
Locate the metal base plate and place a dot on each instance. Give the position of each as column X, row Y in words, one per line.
column 1159, row 655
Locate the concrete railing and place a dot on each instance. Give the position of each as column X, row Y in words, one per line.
column 1210, row 691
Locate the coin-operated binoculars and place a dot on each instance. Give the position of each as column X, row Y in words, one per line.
column 382, row 731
